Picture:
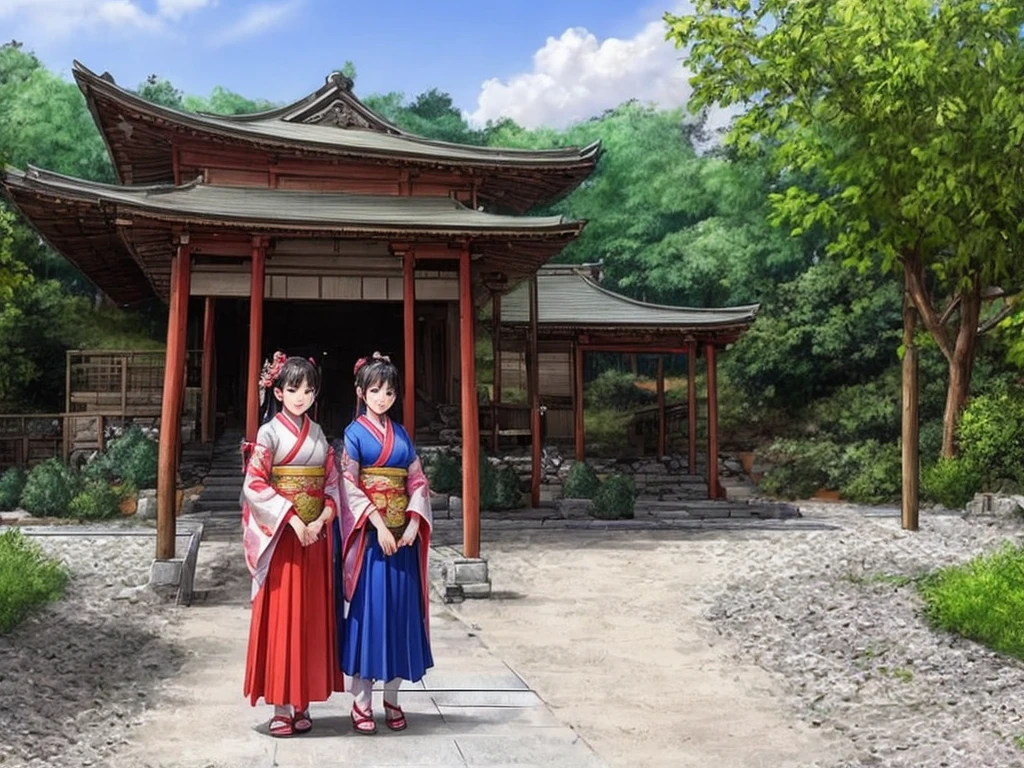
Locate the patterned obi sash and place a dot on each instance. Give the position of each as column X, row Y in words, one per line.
column 303, row 487
column 385, row 486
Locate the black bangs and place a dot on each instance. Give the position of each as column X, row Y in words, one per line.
column 377, row 373
column 297, row 370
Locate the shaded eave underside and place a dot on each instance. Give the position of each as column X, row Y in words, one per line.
column 138, row 137
column 121, row 237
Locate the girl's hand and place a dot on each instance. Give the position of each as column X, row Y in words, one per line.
column 299, row 527
column 314, row 530
column 412, row 530
column 386, row 539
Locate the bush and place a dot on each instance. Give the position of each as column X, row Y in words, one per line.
column 488, row 484
column 507, row 494
column 875, row 472
column 607, row 432
column 982, row 599
column 616, row 390
column 131, row 458
column 581, row 482
column 615, row 498
column 49, row 489
column 951, row 482
column 799, row 467
column 98, row 500
column 27, row 578
column 991, row 437
column 444, row 473
column 868, row 411
column 12, row 482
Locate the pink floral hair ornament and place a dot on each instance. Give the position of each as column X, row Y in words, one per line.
column 269, row 373
column 364, row 360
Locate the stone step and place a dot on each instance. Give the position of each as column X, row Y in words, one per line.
column 220, row 493
column 218, row 507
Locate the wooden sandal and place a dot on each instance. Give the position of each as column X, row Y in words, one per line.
column 302, row 723
column 281, row 727
column 362, row 722
column 397, row 723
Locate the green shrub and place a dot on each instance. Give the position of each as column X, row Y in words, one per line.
column 800, row 466
column 488, row 484
column 868, row 411
column 614, row 499
column 12, row 482
column 616, row 390
column 875, row 472
column 49, row 488
column 506, row 493
column 27, row 578
column 581, row 482
column 607, row 432
column 98, row 500
column 444, row 472
column 982, row 599
column 951, row 482
column 131, row 458
column 991, row 437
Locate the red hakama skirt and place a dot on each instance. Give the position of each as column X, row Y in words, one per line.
column 292, row 657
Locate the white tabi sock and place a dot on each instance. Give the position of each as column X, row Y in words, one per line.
column 362, row 694
column 391, row 691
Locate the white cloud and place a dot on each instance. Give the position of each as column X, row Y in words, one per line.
column 577, row 76
column 49, row 20
column 257, row 20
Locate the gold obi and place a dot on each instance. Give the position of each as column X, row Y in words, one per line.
column 303, row 486
column 385, row 487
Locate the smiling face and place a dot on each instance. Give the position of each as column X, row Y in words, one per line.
column 379, row 396
column 295, row 398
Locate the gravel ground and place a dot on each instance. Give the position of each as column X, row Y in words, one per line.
column 829, row 614
column 76, row 675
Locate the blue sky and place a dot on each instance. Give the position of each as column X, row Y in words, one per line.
column 544, row 63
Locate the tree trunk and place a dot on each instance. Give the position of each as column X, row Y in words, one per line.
column 961, row 365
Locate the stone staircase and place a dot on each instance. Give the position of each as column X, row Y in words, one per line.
column 218, row 505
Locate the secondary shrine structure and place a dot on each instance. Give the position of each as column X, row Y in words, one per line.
column 318, row 228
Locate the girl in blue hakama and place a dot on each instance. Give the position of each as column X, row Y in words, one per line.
column 385, row 523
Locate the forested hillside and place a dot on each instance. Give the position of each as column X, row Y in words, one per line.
column 675, row 218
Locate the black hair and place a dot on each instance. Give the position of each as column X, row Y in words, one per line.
column 294, row 371
column 376, row 371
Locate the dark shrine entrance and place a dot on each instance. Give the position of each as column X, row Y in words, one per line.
column 334, row 333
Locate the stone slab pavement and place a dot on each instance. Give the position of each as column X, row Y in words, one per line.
column 472, row 709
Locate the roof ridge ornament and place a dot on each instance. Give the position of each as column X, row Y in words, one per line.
column 340, row 81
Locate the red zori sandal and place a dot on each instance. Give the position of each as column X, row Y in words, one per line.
column 302, row 722
column 396, row 723
column 281, row 727
column 363, row 722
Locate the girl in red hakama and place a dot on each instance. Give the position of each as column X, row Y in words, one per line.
column 288, row 503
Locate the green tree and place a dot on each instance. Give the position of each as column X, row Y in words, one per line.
column 911, row 118
column 160, row 91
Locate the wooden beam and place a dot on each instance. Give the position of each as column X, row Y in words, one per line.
column 577, row 402
column 170, row 411
column 691, row 406
column 209, row 402
column 533, row 392
column 911, row 422
column 257, row 279
column 470, row 412
column 496, row 365
column 409, row 318
column 632, row 348
column 661, row 407
column 712, row 422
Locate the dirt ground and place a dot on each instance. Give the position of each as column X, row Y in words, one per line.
column 608, row 629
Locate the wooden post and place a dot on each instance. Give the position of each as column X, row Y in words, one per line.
column 578, row 423
column 691, row 406
column 173, row 397
column 712, row 422
column 661, row 408
column 124, row 387
column 470, row 412
column 910, row 436
column 409, row 324
column 67, row 382
column 496, row 358
column 533, row 390
column 209, row 402
column 252, row 400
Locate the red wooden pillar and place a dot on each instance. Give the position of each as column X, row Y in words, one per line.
column 209, row 401
column 252, row 400
column 470, row 413
column 409, row 319
column 661, row 407
column 712, row 422
column 691, row 405
column 578, row 402
column 173, row 398
column 533, row 387
column 496, row 358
